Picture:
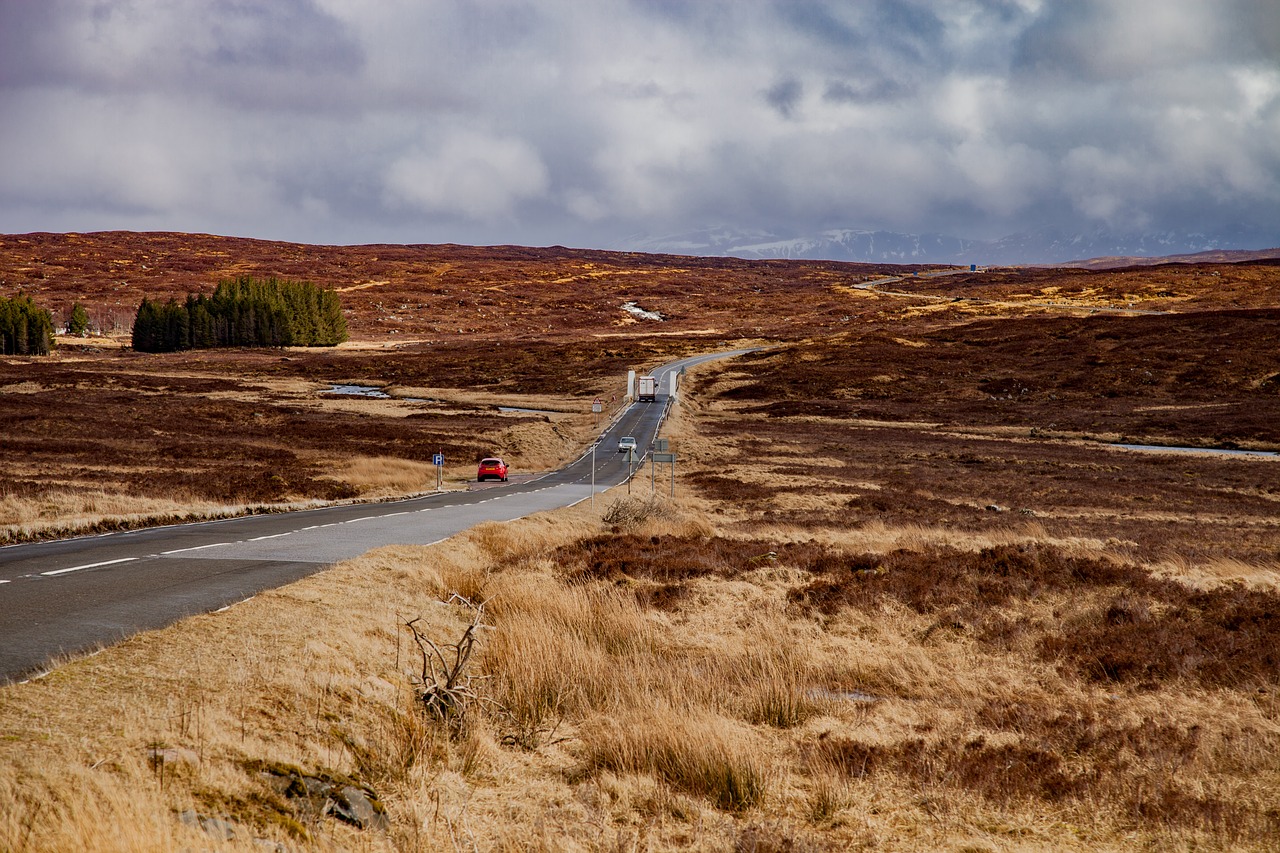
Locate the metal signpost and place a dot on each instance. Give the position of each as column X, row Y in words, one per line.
column 596, row 408
column 668, row 458
column 438, row 459
column 659, row 446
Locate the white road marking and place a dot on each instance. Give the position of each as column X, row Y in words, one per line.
column 88, row 566
column 365, row 518
column 272, row 536
column 196, row 548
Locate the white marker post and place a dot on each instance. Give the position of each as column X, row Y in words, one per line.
column 438, row 459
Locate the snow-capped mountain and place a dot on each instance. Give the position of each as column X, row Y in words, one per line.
column 1039, row 247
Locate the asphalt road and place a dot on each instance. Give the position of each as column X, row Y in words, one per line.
column 75, row 595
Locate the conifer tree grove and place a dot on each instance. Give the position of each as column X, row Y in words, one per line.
column 25, row 328
column 243, row 312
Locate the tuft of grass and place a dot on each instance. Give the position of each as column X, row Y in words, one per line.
column 828, row 797
column 558, row 650
column 772, row 681
column 695, row 752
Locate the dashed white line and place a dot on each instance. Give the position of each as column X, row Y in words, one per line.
column 272, row 536
column 88, row 566
column 196, row 548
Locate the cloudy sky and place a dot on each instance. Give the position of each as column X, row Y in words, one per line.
column 586, row 122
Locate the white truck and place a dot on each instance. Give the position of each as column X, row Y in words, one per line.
column 647, row 389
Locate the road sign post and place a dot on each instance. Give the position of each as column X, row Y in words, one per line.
column 671, row 458
column 438, row 460
column 596, row 408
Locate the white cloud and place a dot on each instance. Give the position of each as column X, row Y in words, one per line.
column 570, row 122
column 470, row 174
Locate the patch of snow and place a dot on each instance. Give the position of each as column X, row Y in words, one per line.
column 636, row 311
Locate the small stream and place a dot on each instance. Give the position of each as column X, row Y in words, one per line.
column 359, row 391
column 1160, row 448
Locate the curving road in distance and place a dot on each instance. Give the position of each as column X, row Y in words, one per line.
column 75, row 595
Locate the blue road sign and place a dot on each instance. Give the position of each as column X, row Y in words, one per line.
column 438, row 459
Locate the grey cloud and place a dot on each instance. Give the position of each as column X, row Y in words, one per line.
column 294, row 36
column 557, row 121
column 864, row 91
column 784, row 96
column 256, row 54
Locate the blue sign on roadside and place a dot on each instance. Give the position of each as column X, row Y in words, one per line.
column 438, row 460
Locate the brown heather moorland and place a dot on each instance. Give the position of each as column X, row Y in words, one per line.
column 907, row 596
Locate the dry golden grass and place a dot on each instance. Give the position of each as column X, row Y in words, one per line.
column 1216, row 571
column 727, row 721
column 668, row 676
column 59, row 513
column 386, row 476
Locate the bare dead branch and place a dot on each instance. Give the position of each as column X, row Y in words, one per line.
column 446, row 690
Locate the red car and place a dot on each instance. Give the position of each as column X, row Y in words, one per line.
column 492, row 467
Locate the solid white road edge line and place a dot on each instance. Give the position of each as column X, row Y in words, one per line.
column 88, row 566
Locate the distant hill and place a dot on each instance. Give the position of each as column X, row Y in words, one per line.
column 1213, row 256
column 1038, row 248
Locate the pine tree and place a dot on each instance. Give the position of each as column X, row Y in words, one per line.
column 78, row 322
column 243, row 312
column 146, row 328
column 25, row 328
